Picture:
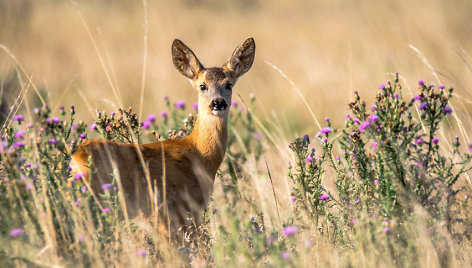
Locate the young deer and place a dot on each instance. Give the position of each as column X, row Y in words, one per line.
column 181, row 172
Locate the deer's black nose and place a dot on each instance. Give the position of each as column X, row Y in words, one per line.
column 218, row 104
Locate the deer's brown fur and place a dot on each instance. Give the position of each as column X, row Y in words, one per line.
column 181, row 171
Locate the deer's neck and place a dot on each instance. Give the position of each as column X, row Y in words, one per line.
column 210, row 137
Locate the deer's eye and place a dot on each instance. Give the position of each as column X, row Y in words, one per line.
column 203, row 87
column 228, row 86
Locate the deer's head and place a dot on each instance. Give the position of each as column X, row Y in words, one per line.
column 215, row 84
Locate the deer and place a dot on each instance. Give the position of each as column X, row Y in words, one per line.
column 178, row 173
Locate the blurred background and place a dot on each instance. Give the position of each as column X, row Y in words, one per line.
column 93, row 53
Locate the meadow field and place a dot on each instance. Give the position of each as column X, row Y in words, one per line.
column 349, row 138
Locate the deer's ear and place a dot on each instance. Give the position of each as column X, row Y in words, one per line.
column 242, row 58
column 185, row 60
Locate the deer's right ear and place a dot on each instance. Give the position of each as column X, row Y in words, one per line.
column 185, row 60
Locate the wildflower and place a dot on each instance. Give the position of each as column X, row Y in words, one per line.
column 83, row 136
column 61, row 107
column 324, row 197
column 84, row 189
column 417, row 98
column 441, row 87
column 29, row 186
column 423, row 105
column 72, row 107
column 309, row 159
column 419, row 141
column 74, row 127
column 356, row 120
column 56, row 119
column 257, row 136
column 52, row 141
column 286, row 255
column 373, row 118
column 306, row 137
column 435, row 141
column 112, row 114
column 106, row 210
column 16, row 232
column 348, row 116
column 18, row 144
column 338, row 158
column 376, row 182
column 373, row 107
column 79, row 176
column 326, row 119
column 77, row 203
column 324, row 140
column 289, row 231
column 195, row 106
column 18, row 118
column 252, row 96
column 141, row 252
column 106, row 186
column 447, row 109
column 293, row 198
column 364, row 125
column 234, row 103
column 382, row 86
column 374, row 145
column 421, row 83
column 81, row 239
column 386, row 229
column 164, row 114
column 270, row 240
column 240, row 108
column 395, row 96
column 28, row 165
column 357, row 201
column 93, row 127
column 354, row 221
column 166, row 98
column 20, row 134
column 325, row 130
column 180, row 104
column 146, row 125
column 108, row 128
column 29, row 126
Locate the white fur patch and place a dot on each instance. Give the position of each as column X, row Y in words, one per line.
column 218, row 112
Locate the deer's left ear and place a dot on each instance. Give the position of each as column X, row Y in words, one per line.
column 185, row 60
column 242, row 58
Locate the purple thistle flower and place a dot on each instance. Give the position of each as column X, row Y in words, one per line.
column 270, row 240
column 373, row 107
column 180, row 104
column 324, row 197
column 308, row 243
column 20, row 134
column 146, row 125
column 112, row 114
column 447, row 109
column 72, row 107
column 52, row 141
column 374, row 145
column 325, row 130
column 417, row 98
column 74, row 127
column 164, row 114
column 108, row 128
column 293, row 198
column 286, row 255
column 83, row 136
column 81, row 239
column 421, row 83
column 195, row 106
column 435, row 141
column 17, row 232
column 61, row 107
column 19, row 118
column 29, row 186
column 56, row 119
column 423, row 105
column 326, row 119
column 309, row 159
column 106, row 186
column 234, row 103
column 386, row 229
column 338, row 158
column 28, row 165
column 382, row 86
column 419, row 141
column 289, row 231
column 79, row 175
column 364, row 125
column 106, row 210
column 441, row 87
column 84, row 189
column 306, row 137
column 93, row 127
column 258, row 136
column 357, row 201
column 151, row 118
column 77, row 203
column 252, row 96
column 141, row 252
column 373, row 118
column 395, row 96
column 354, row 221
column 376, row 182
column 348, row 116
column 166, row 98
column 18, row 144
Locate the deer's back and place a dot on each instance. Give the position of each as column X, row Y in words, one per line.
column 173, row 163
